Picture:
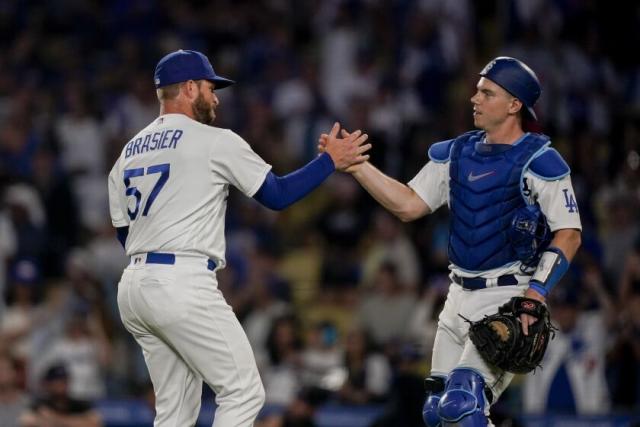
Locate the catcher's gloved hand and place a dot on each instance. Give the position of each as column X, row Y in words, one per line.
column 501, row 342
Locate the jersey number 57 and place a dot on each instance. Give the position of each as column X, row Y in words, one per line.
column 162, row 169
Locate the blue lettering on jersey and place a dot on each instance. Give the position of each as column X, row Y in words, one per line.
column 165, row 137
column 177, row 134
column 155, row 141
column 158, row 140
column 145, row 144
column 136, row 145
column 570, row 201
column 127, row 152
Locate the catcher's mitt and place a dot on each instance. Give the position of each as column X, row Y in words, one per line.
column 501, row 342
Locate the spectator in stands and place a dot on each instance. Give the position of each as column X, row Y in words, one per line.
column 280, row 376
column 619, row 234
column 390, row 297
column 300, row 413
column 630, row 278
column 17, row 323
column 406, row 394
column 265, row 308
column 322, row 358
column 390, row 243
column 368, row 372
column 7, row 248
column 82, row 153
column 624, row 357
column 60, row 208
column 86, row 351
column 342, row 225
column 56, row 408
column 28, row 219
column 573, row 380
column 13, row 401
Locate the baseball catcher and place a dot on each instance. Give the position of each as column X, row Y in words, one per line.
column 514, row 229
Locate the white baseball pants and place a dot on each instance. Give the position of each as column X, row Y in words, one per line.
column 453, row 347
column 189, row 334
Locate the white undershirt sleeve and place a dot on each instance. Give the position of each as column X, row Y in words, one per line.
column 432, row 184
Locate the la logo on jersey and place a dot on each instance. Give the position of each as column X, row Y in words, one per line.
column 570, row 201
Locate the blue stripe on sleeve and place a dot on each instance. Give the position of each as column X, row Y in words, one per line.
column 279, row 192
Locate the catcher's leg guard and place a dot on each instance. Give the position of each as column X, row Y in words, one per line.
column 435, row 388
column 463, row 401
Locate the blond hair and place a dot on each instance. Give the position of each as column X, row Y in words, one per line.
column 167, row 93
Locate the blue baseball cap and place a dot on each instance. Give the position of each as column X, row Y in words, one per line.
column 183, row 65
column 24, row 271
column 516, row 78
column 56, row 372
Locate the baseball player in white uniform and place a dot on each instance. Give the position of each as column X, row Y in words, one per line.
column 486, row 177
column 168, row 194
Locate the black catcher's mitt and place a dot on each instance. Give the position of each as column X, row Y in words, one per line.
column 501, row 342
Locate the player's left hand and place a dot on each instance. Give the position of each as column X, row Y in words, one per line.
column 501, row 341
column 525, row 319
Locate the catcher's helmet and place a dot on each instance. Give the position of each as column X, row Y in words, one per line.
column 516, row 78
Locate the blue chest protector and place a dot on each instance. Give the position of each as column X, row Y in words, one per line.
column 485, row 191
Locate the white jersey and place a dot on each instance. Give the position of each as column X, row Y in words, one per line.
column 432, row 185
column 170, row 186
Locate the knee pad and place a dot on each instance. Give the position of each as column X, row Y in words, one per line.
column 463, row 400
column 434, row 387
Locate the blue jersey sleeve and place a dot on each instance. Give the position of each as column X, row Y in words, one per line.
column 279, row 192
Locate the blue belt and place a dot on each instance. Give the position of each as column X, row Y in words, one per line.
column 473, row 283
column 164, row 258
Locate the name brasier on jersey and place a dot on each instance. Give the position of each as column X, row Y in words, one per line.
column 168, row 138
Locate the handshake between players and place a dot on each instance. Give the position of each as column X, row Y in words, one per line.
column 346, row 152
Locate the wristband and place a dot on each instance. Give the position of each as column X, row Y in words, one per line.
column 537, row 286
column 552, row 266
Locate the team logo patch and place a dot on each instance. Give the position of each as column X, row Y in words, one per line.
column 473, row 177
column 528, row 305
column 569, row 201
column 489, row 66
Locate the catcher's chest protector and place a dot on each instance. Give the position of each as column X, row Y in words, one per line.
column 484, row 185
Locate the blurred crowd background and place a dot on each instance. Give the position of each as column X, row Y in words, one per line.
column 339, row 299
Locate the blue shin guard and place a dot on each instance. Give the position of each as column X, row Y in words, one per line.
column 463, row 401
column 435, row 388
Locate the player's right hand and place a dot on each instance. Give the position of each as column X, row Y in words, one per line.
column 346, row 152
column 527, row 320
